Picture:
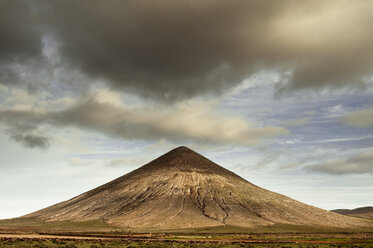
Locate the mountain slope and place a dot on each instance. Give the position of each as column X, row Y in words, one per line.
column 183, row 189
column 363, row 212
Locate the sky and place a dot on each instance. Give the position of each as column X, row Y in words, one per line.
column 279, row 92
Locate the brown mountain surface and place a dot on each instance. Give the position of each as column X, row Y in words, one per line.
column 363, row 212
column 183, row 189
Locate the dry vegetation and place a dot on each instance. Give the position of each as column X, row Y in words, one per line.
column 283, row 240
column 30, row 233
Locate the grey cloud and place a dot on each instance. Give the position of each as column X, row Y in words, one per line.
column 31, row 141
column 362, row 118
column 19, row 37
column 182, row 123
column 167, row 49
column 20, row 40
column 160, row 49
column 178, row 49
column 359, row 164
column 27, row 135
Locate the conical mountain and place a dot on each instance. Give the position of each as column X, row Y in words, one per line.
column 183, row 189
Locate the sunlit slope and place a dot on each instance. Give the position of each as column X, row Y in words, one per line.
column 183, row 189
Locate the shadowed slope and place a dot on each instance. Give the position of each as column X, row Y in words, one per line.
column 363, row 212
column 183, row 189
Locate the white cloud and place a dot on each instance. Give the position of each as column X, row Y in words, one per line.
column 358, row 164
column 362, row 118
column 188, row 121
column 296, row 122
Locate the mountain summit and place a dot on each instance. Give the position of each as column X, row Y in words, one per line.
column 183, row 189
column 183, row 159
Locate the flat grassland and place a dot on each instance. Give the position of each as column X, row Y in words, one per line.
column 175, row 240
column 27, row 233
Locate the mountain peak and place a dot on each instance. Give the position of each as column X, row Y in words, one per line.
column 181, row 150
column 184, row 159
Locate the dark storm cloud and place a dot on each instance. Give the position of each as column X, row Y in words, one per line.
column 19, row 38
column 179, row 49
column 164, row 49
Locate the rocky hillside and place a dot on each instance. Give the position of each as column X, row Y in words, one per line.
column 183, row 189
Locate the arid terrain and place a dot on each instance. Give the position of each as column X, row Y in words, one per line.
column 253, row 240
column 363, row 212
column 183, row 189
column 182, row 199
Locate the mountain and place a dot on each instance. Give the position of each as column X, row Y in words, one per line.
column 363, row 212
column 182, row 189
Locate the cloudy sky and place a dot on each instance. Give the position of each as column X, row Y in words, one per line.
column 279, row 92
